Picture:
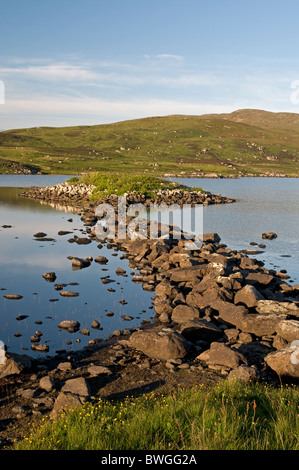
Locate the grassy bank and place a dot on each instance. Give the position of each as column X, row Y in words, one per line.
column 244, row 143
column 229, row 416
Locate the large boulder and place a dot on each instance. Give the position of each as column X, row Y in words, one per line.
column 249, row 296
column 261, row 325
column 160, row 343
column 221, row 355
column 285, row 362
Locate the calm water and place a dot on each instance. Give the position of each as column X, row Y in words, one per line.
column 263, row 204
column 23, row 260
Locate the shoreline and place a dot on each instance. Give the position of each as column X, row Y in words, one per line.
column 218, row 314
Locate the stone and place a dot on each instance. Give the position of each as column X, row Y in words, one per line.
column 50, row 277
column 288, row 330
column 200, row 329
column 120, row 271
column 40, row 235
column 160, row 343
column 68, row 294
column 243, row 374
column 231, row 334
column 65, row 402
column 77, row 386
column 46, row 383
column 40, row 347
column 259, row 278
column 15, row 364
column 249, row 296
column 101, row 259
column 285, row 362
column 98, row 370
column 230, row 313
column 85, row 331
column 260, row 325
column 182, row 313
column 266, row 307
column 221, row 355
column 192, row 273
column 269, row 235
column 80, row 263
column 28, row 393
column 65, row 366
column 211, row 238
column 13, row 296
column 69, row 324
column 82, row 241
column 162, row 306
column 245, row 338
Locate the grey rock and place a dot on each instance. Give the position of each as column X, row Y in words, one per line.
column 46, row 383
column 77, row 386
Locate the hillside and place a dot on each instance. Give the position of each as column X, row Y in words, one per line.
column 246, row 142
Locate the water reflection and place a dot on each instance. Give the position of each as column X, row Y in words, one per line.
column 23, row 261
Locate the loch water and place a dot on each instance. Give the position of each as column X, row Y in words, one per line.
column 262, row 205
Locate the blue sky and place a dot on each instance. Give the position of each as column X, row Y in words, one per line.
column 72, row 62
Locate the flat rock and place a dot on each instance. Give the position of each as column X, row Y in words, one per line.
column 98, row 370
column 221, row 355
column 160, row 343
column 77, row 386
column 101, row 259
column 67, row 324
column 67, row 293
column 266, row 307
column 13, row 296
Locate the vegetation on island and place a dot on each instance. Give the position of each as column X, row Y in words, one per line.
column 120, row 184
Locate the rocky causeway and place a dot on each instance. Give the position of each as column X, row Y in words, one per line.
column 219, row 315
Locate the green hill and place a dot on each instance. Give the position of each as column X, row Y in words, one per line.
column 246, row 142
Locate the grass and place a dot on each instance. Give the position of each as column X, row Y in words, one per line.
column 116, row 183
column 228, row 416
column 246, row 143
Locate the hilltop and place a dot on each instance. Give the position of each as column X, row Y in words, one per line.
column 243, row 143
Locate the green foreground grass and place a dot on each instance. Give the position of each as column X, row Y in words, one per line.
column 227, row 416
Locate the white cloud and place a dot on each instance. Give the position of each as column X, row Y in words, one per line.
column 170, row 56
column 58, row 71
